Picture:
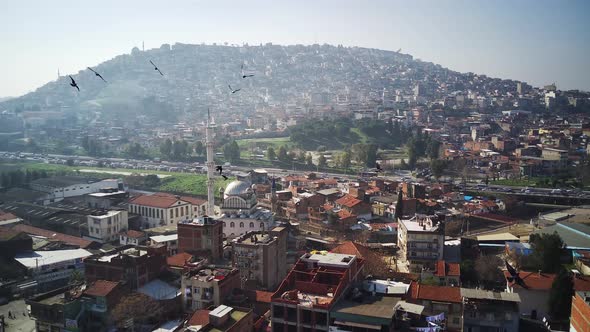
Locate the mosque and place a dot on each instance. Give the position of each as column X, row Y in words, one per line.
column 240, row 213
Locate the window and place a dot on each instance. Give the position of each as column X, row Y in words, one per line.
column 224, row 224
column 262, row 225
column 186, row 210
column 171, row 214
column 232, row 224
column 176, row 212
column 241, row 224
column 251, row 225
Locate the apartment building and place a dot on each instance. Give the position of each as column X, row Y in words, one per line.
column 106, row 226
column 201, row 236
column 307, row 294
column 261, row 257
column 421, row 241
column 203, row 287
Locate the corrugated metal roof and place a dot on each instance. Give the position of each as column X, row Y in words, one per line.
column 489, row 295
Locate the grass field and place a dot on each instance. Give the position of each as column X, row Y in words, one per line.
column 264, row 143
column 193, row 184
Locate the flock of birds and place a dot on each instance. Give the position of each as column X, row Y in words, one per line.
column 243, row 74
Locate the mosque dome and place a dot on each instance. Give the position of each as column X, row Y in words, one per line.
column 237, row 188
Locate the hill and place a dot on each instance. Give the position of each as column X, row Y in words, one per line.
column 197, row 77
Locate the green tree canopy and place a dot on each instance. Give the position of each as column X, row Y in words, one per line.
column 322, row 162
column 547, row 250
column 271, row 154
column 199, row 148
column 560, row 295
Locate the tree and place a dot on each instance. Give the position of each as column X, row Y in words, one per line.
column 309, row 160
column 166, row 148
column 199, row 148
column 135, row 150
column 292, row 155
column 399, row 206
column 271, row 154
column 345, row 161
column 468, row 273
column 92, row 147
column 371, row 155
column 137, row 306
column 359, row 153
column 488, row 270
column 438, row 166
column 151, row 181
column 231, row 151
column 431, row 281
column 432, row 149
column 560, row 295
column 282, row 156
column 403, row 164
column 322, row 162
column 547, row 249
column 301, row 157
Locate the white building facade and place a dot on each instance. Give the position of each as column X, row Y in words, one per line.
column 106, row 227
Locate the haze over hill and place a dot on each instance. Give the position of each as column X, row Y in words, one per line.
column 197, row 77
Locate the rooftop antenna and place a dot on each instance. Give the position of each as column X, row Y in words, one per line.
column 142, row 46
column 58, row 75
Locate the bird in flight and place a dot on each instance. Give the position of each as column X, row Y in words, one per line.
column 232, row 90
column 219, row 169
column 156, row 67
column 224, row 177
column 73, row 84
column 97, row 74
column 242, row 71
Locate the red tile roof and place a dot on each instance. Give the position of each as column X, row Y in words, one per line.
column 164, row 200
column 134, row 234
column 101, row 288
column 262, row 296
column 543, row 281
column 358, row 250
column 6, row 216
column 348, row 201
column 436, row 293
column 199, row 317
column 533, row 280
column 444, row 269
column 193, row 200
column 343, row 214
column 179, row 259
column 158, row 200
column 68, row 239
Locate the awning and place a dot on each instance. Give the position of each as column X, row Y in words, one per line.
column 361, row 325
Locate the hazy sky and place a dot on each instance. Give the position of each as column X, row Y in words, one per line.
column 537, row 41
